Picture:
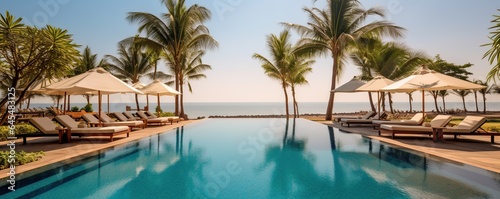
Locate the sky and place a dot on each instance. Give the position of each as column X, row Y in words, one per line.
column 453, row 29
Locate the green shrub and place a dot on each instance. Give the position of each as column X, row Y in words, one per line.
column 158, row 109
column 166, row 114
column 20, row 129
column 20, row 159
column 493, row 129
column 88, row 108
column 75, row 109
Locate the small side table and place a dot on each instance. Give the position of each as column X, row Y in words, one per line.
column 437, row 134
column 62, row 131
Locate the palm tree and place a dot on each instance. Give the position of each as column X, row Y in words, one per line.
column 335, row 30
column 298, row 68
column 176, row 32
column 493, row 53
column 278, row 66
column 483, row 92
column 442, row 94
column 391, row 60
column 88, row 61
column 131, row 65
column 410, row 99
column 462, row 94
column 193, row 68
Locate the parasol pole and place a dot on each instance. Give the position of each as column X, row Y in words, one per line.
column 100, row 108
column 64, row 107
column 158, row 108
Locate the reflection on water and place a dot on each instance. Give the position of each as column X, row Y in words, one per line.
column 262, row 158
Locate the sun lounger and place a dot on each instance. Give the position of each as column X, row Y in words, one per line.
column 348, row 122
column 417, row 119
column 67, row 121
column 369, row 114
column 131, row 116
column 107, row 121
column 172, row 119
column 152, row 120
column 426, row 128
column 471, row 125
column 122, row 117
column 46, row 128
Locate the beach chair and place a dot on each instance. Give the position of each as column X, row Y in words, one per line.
column 131, row 116
column 172, row 119
column 417, row 119
column 120, row 116
column 369, row 114
column 426, row 128
column 107, row 121
column 470, row 126
column 152, row 120
column 74, row 130
column 349, row 122
column 45, row 127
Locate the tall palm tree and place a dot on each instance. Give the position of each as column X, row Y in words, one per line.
column 335, row 30
column 277, row 67
column 88, row 61
column 493, row 53
column 442, row 94
column 298, row 68
column 483, row 92
column 391, row 60
column 462, row 94
column 176, row 32
column 131, row 64
column 193, row 68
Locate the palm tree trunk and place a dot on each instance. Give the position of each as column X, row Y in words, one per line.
column 484, row 103
column 29, row 102
column 409, row 100
column 286, row 100
column 435, row 95
column 176, row 112
column 371, row 101
column 475, row 98
column 390, row 103
column 463, row 103
column 182, row 114
column 329, row 108
column 137, row 102
column 295, row 107
column 444, row 104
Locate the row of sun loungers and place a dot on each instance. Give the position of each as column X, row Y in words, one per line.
column 103, row 126
column 470, row 125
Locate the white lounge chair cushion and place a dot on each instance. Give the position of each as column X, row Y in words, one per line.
column 90, row 118
column 120, row 116
column 128, row 123
column 406, row 128
column 109, row 129
column 400, row 122
column 45, row 125
column 67, row 121
column 469, row 124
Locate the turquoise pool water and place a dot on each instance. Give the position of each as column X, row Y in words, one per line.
column 258, row 158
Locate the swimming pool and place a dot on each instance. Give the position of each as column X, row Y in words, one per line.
column 258, row 158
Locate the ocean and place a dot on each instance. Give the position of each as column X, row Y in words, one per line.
column 199, row 109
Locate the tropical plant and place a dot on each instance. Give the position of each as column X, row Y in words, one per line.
column 297, row 69
column 32, row 54
column 462, row 94
column 484, row 91
column 192, row 69
column 131, row 64
column 441, row 66
column 88, row 61
column 277, row 67
column 335, row 30
column 493, row 53
column 176, row 32
column 391, row 60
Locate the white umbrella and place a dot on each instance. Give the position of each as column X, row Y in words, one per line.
column 425, row 79
column 350, row 86
column 158, row 88
column 374, row 85
column 96, row 79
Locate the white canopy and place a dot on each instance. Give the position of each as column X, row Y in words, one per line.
column 350, row 86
